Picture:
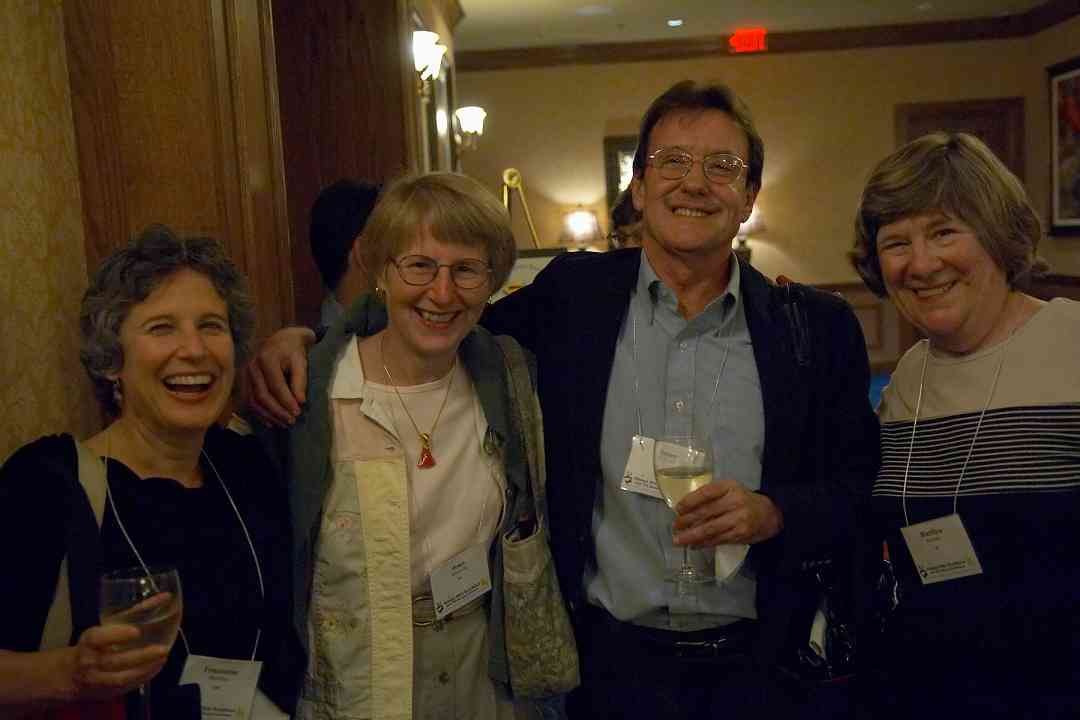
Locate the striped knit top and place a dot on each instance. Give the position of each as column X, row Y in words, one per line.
column 1019, row 498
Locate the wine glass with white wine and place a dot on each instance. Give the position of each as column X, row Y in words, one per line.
column 151, row 600
column 682, row 463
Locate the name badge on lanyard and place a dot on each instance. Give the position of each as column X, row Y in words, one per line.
column 941, row 549
column 226, row 686
column 639, row 476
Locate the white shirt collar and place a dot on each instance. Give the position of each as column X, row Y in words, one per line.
column 348, row 382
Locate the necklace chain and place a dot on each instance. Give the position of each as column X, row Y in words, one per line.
column 427, row 459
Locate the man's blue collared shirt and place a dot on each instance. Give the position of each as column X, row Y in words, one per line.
column 700, row 372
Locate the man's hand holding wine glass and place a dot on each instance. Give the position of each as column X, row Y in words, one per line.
column 725, row 512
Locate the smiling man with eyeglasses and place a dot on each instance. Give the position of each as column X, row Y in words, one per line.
column 678, row 337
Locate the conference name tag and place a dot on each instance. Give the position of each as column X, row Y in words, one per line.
column 941, row 549
column 460, row 580
column 226, row 687
column 639, row 476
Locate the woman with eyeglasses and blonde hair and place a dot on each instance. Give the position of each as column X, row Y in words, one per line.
column 979, row 487
column 407, row 469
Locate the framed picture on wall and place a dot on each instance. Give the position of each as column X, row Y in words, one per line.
column 1065, row 147
column 618, row 164
column 529, row 263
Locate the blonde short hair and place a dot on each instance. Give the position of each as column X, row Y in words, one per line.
column 453, row 208
column 955, row 173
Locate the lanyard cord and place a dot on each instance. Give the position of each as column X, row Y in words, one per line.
column 146, row 569
column 251, row 546
column 637, row 392
column 971, row 448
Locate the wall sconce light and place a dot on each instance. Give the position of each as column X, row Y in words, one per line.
column 427, row 54
column 470, row 122
column 754, row 225
column 580, row 227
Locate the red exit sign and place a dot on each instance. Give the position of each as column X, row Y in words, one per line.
column 747, row 40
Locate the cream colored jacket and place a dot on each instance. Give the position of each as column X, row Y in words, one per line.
column 351, row 520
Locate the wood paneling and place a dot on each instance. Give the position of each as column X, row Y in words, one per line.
column 1052, row 286
column 883, row 327
column 888, row 335
column 1035, row 20
column 346, row 88
column 176, row 122
column 997, row 122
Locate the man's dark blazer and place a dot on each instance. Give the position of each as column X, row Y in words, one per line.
column 821, row 436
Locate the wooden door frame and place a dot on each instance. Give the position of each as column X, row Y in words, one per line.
column 1011, row 109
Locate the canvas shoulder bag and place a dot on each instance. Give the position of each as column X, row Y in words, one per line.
column 540, row 642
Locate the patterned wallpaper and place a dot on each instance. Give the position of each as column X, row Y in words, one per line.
column 43, row 388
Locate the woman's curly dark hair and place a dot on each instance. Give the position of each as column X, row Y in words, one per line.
column 128, row 276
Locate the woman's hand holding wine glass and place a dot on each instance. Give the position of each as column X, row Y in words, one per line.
column 148, row 602
column 106, row 662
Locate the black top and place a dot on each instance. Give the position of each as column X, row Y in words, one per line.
column 195, row 529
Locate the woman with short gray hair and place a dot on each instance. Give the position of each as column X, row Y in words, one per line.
column 980, row 439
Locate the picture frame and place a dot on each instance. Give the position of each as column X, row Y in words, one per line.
column 529, row 264
column 1065, row 147
column 618, row 164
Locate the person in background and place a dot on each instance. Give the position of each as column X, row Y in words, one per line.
column 165, row 323
column 979, row 485
column 657, row 340
column 405, row 468
column 338, row 217
column 625, row 222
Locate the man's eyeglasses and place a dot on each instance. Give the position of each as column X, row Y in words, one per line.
column 721, row 167
column 421, row 270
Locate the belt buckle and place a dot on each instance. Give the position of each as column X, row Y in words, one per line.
column 435, row 622
column 700, row 648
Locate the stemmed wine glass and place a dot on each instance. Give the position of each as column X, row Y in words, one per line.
column 148, row 598
column 683, row 463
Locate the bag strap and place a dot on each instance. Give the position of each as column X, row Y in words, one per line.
column 798, row 324
column 80, row 565
column 92, row 479
column 530, row 422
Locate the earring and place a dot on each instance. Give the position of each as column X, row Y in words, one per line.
column 117, row 392
column 380, row 294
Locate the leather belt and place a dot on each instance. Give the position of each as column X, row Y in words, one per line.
column 724, row 642
column 423, row 611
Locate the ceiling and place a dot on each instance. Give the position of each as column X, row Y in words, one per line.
column 493, row 24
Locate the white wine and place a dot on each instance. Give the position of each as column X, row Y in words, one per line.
column 676, row 483
column 157, row 618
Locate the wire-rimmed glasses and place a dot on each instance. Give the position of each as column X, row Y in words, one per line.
column 675, row 164
column 467, row 274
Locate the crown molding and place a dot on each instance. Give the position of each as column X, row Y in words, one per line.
column 1035, row 20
